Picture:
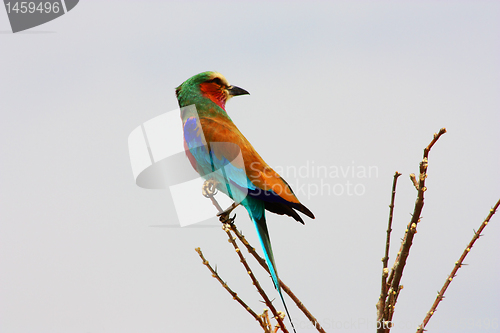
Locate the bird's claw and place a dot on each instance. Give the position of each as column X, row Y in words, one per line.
column 228, row 210
column 209, row 188
column 224, row 218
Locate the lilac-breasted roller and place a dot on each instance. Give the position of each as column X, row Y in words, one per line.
column 248, row 181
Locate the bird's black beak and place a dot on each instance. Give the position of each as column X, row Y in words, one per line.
column 236, row 91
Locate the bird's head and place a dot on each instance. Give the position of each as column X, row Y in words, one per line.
column 207, row 85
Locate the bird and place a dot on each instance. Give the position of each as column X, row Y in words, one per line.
column 212, row 143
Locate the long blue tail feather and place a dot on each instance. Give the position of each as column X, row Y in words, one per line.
column 256, row 212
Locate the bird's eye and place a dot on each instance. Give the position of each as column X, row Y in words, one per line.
column 217, row 81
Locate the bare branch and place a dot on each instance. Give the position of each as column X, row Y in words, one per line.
column 255, row 282
column 285, row 288
column 458, row 264
column 400, row 262
column 233, row 294
column 385, row 259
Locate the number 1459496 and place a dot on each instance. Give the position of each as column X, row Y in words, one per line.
column 24, row 7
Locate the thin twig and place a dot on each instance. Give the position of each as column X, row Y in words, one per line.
column 458, row 264
column 411, row 230
column 265, row 318
column 255, row 282
column 285, row 288
column 229, row 290
column 414, row 180
column 385, row 259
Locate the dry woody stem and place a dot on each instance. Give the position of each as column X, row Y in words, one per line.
column 385, row 259
column 458, row 264
column 255, row 282
column 285, row 288
column 233, row 294
column 393, row 282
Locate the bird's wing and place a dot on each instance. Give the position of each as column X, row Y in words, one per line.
column 248, row 175
column 225, row 163
column 265, row 183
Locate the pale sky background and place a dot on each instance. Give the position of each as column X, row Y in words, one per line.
column 335, row 84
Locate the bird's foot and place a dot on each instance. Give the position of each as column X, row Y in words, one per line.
column 224, row 215
column 209, row 188
column 225, row 219
column 228, row 210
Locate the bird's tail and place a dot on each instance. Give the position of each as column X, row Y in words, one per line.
column 265, row 242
